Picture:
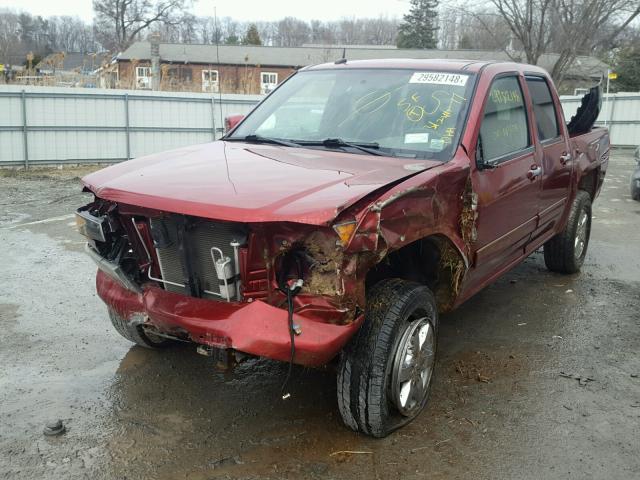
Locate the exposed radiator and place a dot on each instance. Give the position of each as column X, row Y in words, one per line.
column 202, row 237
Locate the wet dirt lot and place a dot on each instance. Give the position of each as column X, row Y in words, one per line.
column 500, row 409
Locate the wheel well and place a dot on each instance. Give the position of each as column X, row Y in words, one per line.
column 589, row 183
column 432, row 261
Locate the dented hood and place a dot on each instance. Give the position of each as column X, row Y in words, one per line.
column 250, row 183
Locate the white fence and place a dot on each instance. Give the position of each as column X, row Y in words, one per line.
column 620, row 113
column 41, row 125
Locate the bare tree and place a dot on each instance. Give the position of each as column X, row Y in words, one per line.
column 348, row 31
column 70, row 34
column 477, row 29
column 323, row 32
column 188, row 27
column 185, row 30
column 292, row 32
column 573, row 27
column 588, row 24
column 449, row 21
column 529, row 23
column 380, row 31
column 9, row 35
column 267, row 31
column 230, row 30
column 206, row 29
column 23, row 33
column 121, row 21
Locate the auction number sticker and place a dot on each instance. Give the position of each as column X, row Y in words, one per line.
column 439, row 78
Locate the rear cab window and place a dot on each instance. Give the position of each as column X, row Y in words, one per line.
column 544, row 108
column 504, row 132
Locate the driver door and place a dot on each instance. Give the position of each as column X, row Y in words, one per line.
column 507, row 179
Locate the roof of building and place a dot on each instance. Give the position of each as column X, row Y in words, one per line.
column 72, row 61
column 343, row 45
column 584, row 66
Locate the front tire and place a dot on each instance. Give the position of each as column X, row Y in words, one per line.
column 565, row 252
column 385, row 373
column 134, row 332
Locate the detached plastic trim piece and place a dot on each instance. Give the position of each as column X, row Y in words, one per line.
column 587, row 114
column 112, row 269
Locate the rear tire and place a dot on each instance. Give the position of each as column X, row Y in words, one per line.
column 565, row 252
column 385, row 372
column 134, row 332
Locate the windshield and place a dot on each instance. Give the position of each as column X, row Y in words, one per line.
column 406, row 113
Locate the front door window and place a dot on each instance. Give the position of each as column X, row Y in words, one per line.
column 504, row 131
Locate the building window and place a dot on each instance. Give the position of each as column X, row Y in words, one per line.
column 176, row 78
column 268, row 81
column 143, row 78
column 210, row 81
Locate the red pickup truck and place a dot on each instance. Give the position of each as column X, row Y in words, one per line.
column 338, row 219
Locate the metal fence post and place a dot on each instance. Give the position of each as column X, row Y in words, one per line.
column 25, row 144
column 126, row 125
column 213, row 119
column 611, row 115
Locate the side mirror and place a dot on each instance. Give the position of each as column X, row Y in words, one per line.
column 480, row 161
column 479, row 153
column 231, row 121
column 479, row 156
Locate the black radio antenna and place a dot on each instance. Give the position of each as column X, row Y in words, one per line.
column 215, row 22
column 344, row 57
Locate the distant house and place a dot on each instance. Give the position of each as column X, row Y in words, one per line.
column 71, row 68
column 254, row 69
column 71, row 62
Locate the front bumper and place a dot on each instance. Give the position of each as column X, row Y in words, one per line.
column 256, row 328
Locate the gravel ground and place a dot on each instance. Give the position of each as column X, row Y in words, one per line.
column 133, row 413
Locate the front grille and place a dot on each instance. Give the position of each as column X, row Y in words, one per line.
column 201, row 237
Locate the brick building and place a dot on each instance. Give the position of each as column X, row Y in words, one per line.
column 183, row 67
column 251, row 69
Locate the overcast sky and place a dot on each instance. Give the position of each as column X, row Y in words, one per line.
column 238, row 9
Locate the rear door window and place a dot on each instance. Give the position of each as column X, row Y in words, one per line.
column 504, row 131
column 543, row 108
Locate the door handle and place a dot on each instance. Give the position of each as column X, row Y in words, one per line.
column 565, row 158
column 534, row 172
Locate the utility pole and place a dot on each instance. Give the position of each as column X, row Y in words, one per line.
column 155, row 61
column 610, row 76
column 606, row 98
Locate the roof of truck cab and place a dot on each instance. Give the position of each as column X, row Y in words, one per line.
column 471, row 66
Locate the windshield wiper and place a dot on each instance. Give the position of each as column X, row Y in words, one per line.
column 370, row 148
column 261, row 139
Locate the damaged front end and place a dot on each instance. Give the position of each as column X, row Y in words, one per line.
column 220, row 284
column 226, row 284
column 108, row 245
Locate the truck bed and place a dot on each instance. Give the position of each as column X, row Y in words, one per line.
column 591, row 152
